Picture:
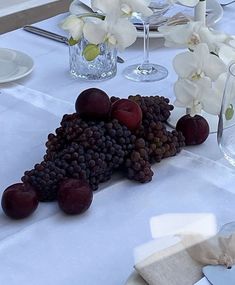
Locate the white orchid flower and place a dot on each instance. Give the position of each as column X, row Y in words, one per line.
column 120, row 34
column 189, row 3
column 196, row 71
column 201, row 95
column 74, row 26
column 198, row 64
column 129, row 7
column 192, row 34
column 180, row 36
column 191, row 94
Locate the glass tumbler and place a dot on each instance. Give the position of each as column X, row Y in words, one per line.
column 104, row 66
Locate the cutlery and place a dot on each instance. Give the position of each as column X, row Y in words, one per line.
column 54, row 36
column 226, row 4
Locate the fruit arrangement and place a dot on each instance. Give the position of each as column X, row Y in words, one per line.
column 103, row 135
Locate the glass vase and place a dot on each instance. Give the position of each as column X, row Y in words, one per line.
column 104, row 66
column 226, row 125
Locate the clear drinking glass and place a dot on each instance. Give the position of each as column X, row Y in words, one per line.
column 147, row 71
column 226, row 125
column 104, row 66
column 226, row 131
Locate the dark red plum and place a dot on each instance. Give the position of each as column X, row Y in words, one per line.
column 74, row 196
column 93, row 104
column 195, row 129
column 127, row 113
column 19, row 201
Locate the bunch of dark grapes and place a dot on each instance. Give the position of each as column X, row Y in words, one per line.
column 80, row 149
column 159, row 142
column 91, row 150
column 162, row 143
column 137, row 164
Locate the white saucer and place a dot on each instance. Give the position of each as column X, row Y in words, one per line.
column 135, row 279
column 14, row 65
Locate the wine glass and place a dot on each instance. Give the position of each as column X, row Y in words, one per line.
column 226, row 130
column 146, row 71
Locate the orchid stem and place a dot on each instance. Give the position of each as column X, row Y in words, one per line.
column 188, row 111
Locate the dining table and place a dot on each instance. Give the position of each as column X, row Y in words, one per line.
column 96, row 247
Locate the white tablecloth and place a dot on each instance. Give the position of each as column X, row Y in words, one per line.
column 95, row 248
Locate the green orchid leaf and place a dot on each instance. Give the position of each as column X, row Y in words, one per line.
column 229, row 112
column 90, row 52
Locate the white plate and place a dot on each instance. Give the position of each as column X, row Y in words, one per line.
column 216, row 13
column 135, row 279
column 14, row 65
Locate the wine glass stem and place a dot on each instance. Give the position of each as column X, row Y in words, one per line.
column 146, row 44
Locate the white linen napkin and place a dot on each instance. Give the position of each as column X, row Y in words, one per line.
column 27, row 116
column 96, row 247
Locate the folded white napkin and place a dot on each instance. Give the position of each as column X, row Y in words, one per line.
column 181, row 262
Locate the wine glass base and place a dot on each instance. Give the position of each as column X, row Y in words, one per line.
column 145, row 73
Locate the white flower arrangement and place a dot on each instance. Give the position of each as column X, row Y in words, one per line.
column 108, row 24
column 201, row 70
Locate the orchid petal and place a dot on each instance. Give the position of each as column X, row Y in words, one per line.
column 185, row 64
column 210, row 64
column 201, row 53
column 185, row 92
column 204, row 85
column 212, row 102
column 73, row 25
column 214, row 66
column 213, row 99
column 95, row 31
column 207, row 97
column 125, row 33
column 139, row 6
